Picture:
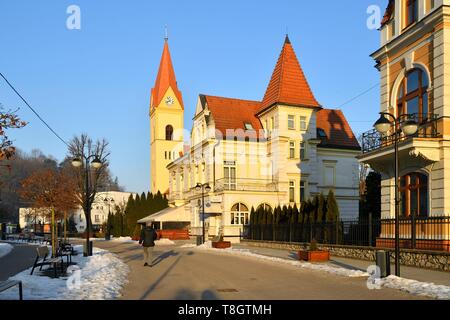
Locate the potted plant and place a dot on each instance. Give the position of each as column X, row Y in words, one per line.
column 220, row 243
column 314, row 254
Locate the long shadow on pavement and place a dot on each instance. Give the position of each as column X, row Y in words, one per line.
column 155, row 284
column 163, row 256
column 346, row 266
column 186, row 294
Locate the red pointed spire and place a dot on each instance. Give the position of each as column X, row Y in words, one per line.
column 165, row 79
column 288, row 84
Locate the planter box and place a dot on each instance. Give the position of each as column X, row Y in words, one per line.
column 221, row 245
column 314, row 256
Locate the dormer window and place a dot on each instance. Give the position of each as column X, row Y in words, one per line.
column 248, row 126
column 411, row 12
column 321, row 133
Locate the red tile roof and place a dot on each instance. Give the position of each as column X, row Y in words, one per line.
column 338, row 132
column 229, row 113
column 165, row 79
column 388, row 13
column 288, row 84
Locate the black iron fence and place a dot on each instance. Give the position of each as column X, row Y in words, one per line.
column 423, row 233
column 373, row 140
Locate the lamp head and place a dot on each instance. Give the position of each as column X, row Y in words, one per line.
column 410, row 127
column 96, row 163
column 76, row 162
column 382, row 125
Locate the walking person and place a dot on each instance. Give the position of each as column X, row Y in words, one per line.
column 147, row 239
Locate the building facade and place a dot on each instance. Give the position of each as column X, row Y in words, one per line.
column 414, row 66
column 104, row 203
column 282, row 150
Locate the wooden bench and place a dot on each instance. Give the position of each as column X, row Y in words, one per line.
column 66, row 250
column 5, row 285
column 41, row 260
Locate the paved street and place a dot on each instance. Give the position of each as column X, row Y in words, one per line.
column 20, row 258
column 182, row 273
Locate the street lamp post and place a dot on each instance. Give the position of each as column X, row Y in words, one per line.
column 409, row 128
column 95, row 164
column 203, row 188
column 108, row 201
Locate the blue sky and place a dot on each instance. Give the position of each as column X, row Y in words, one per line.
column 97, row 80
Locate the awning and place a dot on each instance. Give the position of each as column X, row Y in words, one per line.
column 177, row 214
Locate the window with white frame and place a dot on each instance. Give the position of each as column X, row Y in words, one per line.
column 303, row 124
column 229, row 175
column 239, row 214
column 97, row 218
column 292, row 191
column 291, row 122
column 302, row 150
column 291, row 149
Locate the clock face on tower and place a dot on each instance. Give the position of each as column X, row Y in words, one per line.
column 170, row 101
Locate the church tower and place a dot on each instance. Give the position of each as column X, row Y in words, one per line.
column 166, row 123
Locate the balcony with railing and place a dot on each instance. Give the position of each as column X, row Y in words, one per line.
column 258, row 185
column 374, row 141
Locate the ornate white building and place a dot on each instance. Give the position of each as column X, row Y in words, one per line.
column 278, row 151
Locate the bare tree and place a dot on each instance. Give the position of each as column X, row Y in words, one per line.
column 8, row 120
column 88, row 178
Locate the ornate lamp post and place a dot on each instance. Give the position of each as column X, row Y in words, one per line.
column 203, row 188
column 409, row 128
column 95, row 164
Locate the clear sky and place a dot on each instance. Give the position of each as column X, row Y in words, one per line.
column 97, row 80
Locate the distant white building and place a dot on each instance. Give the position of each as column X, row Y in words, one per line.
column 104, row 203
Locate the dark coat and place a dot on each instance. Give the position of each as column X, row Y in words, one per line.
column 148, row 237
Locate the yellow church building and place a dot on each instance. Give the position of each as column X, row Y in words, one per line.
column 278, row 151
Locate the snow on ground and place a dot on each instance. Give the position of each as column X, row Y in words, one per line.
column 161, row 242
column 123, row 240
column 411, row 286
column 99, row 277
column 5, row 248
column 416, row 287
column 164, row 242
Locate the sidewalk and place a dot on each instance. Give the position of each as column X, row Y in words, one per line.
column 19, row 259
column 423, row 275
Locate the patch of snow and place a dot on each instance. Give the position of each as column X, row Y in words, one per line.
column 124, row 240
column 164, row 242
column 416, row 287
column 99, row 277
column 188, row 245
column 5, row 248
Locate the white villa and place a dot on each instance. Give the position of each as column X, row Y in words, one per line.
column 104, row 202
column 278, row 151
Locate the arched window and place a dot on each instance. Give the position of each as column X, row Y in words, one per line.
column 169, row 133
column 414, row 195
column 412, row 96
column 265, row 207
column 239, row 214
